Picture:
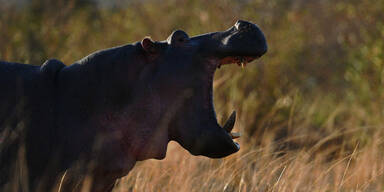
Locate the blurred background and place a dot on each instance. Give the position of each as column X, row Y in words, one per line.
column 311, row 111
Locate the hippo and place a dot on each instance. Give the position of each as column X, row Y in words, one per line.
column 60, row 125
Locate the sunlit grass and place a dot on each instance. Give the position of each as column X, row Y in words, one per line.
column 260, row 169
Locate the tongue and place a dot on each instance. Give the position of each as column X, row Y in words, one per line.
column 228, row 126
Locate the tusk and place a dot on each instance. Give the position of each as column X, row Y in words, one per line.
column 235, row 135
column 228, row 126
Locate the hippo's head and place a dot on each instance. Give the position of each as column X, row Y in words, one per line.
column 182, row 79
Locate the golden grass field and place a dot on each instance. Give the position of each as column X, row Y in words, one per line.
column 264, row 169
column 311, row 111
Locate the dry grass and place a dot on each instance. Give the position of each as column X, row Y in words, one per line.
column 262, row 169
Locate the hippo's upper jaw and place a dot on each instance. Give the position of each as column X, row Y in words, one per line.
column 241, row 44
column 190, row 64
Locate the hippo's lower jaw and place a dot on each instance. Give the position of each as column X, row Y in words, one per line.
column 223, row 134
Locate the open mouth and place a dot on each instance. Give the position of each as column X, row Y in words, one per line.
column 239, row 60
column 229, row 124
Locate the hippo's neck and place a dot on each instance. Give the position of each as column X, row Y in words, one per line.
column 97, row 97
column 101, row 80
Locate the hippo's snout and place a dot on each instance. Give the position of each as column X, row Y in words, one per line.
column 244, row 39
column 258, row 36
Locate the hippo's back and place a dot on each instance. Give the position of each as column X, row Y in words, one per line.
column 16, row 85
column 27, row 97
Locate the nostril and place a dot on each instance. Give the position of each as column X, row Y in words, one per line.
column 241, row 21
column 243, row 25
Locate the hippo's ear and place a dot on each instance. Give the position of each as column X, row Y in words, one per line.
column 178, row 38
column 148, row 45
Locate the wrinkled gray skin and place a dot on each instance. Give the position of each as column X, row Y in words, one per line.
column 100, row 115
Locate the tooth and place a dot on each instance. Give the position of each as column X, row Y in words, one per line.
column 235, row 135
column 237, row 145
column 228, row 126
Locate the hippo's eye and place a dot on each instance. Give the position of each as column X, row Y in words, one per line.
column 178, row 38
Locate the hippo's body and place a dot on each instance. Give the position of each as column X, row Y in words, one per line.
column 99, row 116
